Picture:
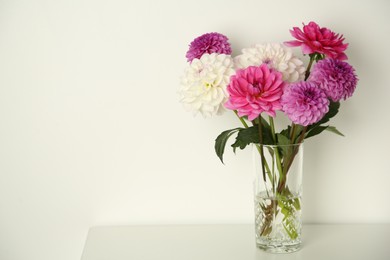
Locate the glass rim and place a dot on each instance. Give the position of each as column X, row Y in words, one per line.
column 279, row 145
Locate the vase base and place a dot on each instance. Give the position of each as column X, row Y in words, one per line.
column 279, row 248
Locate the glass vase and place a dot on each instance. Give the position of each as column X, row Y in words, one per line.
column 277, row 196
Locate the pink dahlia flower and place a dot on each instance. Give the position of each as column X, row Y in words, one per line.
column 337, row 78
column 304, row 103
column 254, row 90
column 314, row 39
column 208, row 43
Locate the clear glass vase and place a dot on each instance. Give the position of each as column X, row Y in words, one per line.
column 277, row 196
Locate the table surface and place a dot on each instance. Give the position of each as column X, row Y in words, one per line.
column 228, row 242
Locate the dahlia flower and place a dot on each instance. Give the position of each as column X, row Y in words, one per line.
column 337, row 78
column 255, row 90
column 203, row 87
column 276, row 56
column 304, row 103
column 314, row 39
column 208, row 43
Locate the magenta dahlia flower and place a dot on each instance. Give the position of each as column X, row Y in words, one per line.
column 208, row 43
column 314, row 39
column 304, row 103
column 337, row 78
column 254, row 90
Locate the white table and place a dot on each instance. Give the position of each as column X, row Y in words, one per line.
column 233, row 242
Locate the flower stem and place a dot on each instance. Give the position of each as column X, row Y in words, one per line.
column 241, row 119
column 293, row 130
column 307, row 73
column 288, row 163
column 302, row 135
column 278, row 159
column 261, row 147
column 272, row 125
column 258, row 147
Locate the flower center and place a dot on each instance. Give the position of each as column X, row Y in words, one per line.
column 309, row 95
column 267, row 61
column 257, row 89
column 208, row 85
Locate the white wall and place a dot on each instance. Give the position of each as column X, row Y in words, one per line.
column 92, row 133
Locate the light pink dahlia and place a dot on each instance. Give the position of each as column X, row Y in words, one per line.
column 254, row 90
column 208, row 43
column 304, row 103
column 337, row 78
column 276, row 56
column 314, row 39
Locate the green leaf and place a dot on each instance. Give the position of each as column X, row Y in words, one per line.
column 297, row 204
column 333, row 110
column 266, row 131
column 283, row 140
column 318, row 128
column 265, row 124
column 250, row 135
column 334, row 130
column 245, row 137
column 221, row 140
column 315, row 131
column 289, row 207
column 298, row 131
column 287, row 132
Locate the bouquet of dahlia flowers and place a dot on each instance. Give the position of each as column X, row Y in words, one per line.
column 262, row 80
column 266, row 78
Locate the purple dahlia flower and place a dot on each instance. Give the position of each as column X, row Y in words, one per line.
column 208, row 43
column 337, row 78
column 304, row 103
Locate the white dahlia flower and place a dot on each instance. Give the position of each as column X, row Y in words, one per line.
column 276, row 56
column 203, row 86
